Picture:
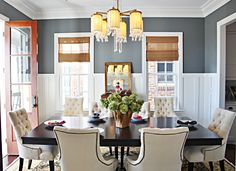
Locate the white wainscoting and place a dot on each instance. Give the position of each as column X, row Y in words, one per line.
column 199, row 97
column 198, row 94
column 46, row 96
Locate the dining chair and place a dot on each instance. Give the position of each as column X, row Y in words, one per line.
column 158, row 152
column 221, row 125
column 80, row 150
column 164, row 107
column 21, row 125
column 73, row 106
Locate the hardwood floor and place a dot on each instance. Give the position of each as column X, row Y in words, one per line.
column 7, row 160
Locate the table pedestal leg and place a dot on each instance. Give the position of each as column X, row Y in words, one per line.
column 122, row 151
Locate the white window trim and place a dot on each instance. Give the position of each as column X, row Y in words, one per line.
column 59, row 107
column 179, row 93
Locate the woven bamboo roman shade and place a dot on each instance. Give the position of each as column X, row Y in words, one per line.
column 161, row 48
column 74, row 49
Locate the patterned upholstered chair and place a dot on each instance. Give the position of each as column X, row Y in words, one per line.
column 164, row 107
column 79, row 150
column 221, row 125
column 168, row 157
column 73, row 106
column 21, row 125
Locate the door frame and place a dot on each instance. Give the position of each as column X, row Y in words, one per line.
column 33, row 24
column 221, row 56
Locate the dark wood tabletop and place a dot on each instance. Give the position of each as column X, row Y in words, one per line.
column 112, row 136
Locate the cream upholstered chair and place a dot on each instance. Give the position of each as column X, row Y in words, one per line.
column 164, row 106
column 79, row 150
column 158, row 152
column 221, row 125
column 73, row 106
column 21, row 125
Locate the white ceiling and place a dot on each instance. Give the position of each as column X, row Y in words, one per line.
column 54, row 9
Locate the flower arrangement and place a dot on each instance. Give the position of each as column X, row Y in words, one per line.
column 122, row 104
column 124, row 101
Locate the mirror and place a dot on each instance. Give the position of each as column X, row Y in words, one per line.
column 117, row 76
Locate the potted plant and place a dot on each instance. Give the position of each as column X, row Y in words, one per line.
column 122, row 105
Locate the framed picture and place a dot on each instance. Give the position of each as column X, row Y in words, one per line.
column 117, row 76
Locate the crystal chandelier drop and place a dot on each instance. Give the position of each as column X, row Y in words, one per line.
column 108, row 23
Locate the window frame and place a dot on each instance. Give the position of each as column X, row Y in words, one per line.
column 179, row 86
column 57, row 72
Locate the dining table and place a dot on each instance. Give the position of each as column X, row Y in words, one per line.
column 121, row 137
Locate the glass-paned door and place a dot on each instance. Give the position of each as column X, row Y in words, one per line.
column 21, row 71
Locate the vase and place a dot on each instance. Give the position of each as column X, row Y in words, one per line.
column 122, row 120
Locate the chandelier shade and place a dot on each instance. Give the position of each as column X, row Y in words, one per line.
column 136, row 20
column 123, row 32
column 113, row 19
column 108, row 23
column 96, row 23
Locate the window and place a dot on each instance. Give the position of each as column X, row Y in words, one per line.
column 162, row 80
column 162, row 68
column 74, row 68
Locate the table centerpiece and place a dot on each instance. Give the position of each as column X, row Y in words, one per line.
column 122, row 104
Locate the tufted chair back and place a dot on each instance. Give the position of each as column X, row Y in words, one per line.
column 221, row 125
column 80, row 150
column 73, row 106
column 20, row 123
column 164, row 106
column 167, row 158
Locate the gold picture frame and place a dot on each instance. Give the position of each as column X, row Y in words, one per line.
column 117, row 76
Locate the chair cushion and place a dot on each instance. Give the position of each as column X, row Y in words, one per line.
column 194, row 154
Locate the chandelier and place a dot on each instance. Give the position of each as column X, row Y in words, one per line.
column 108, row 23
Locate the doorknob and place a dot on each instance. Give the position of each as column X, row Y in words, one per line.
column 35, row 101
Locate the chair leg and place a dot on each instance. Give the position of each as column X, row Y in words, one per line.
column 21, row 164
column 222, row 167
column 51, row 165
column 190, row 166
column 127, row 152
column 110, row 149
column 211, row 166
column 29, row 164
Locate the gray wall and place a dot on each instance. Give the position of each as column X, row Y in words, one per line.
column 211, row 34
column 193, row 29
column 10, row 12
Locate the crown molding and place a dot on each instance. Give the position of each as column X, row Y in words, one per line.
column 23, row 7
column 147, row 12
column 67, row 13
column 211, row 5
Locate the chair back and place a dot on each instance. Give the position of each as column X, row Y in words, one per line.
column 73, row 106
column 164, row 106
column 20, row 123
column 80, row 149
column 161, row 149
column 222, row 123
